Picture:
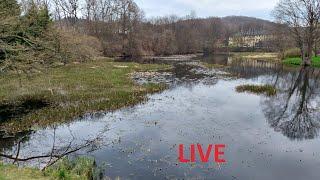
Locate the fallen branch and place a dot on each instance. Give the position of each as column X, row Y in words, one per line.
column 28, row 41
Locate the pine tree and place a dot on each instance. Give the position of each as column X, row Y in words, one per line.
column 37, row 19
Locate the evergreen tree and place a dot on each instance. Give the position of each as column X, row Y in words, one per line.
column 9, row 8
column 37, row 19
column 9, row 16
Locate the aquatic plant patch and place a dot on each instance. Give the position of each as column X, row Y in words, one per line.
column 257, row 89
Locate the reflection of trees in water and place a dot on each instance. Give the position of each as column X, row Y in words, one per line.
column 23, row 152
column 221, row 59
column 242, row 67
column 250, row 68
column 294, row 110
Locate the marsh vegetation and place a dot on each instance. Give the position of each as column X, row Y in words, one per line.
column 67, row 92
column 257, row 89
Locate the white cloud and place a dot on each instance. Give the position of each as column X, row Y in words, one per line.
column 205, row 8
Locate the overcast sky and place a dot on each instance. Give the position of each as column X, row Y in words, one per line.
column 206, row 8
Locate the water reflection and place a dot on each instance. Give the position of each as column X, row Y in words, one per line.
column 251, row 68
column 7, row 142
column 244, row 68
column 295, row 110
column 221, row 59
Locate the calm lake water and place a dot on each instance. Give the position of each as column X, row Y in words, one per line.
column 266, row 137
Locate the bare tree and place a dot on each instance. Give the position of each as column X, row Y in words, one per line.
column 68, row 9
column 302, row 16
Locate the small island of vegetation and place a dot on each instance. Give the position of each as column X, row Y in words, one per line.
column 257, row 89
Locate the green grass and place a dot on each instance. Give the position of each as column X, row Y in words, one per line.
column 257, row 89
column 81, row 168
column 10, row 172
column 69, row 92
column 296, row 61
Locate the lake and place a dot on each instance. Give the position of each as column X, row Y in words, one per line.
column 266, row 137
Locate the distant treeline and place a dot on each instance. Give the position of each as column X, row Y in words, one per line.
column 123, row 30
column 46, row 32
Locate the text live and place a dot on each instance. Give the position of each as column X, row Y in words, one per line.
column 217, row 149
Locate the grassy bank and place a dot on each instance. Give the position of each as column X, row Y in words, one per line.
column 256, row 55
column 80, row 168
column 64, row 93
column 296, row 61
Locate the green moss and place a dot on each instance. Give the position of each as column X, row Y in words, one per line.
column 296, row 61
column 82, row 168
column 71, row 91
column 257, row 89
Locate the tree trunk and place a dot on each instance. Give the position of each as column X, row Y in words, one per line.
column 307, row 61
column 303, row 56
column 308, row 57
